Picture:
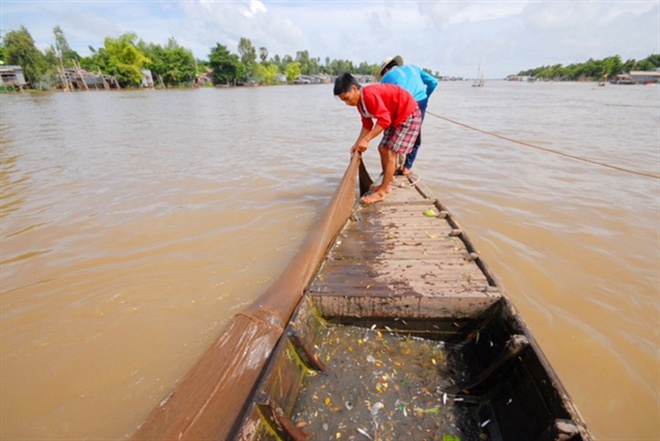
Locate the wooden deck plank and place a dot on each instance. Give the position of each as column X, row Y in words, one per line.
column 393, row 258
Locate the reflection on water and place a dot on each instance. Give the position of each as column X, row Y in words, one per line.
column 134, row 224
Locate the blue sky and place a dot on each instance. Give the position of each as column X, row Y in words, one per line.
column 449, row 37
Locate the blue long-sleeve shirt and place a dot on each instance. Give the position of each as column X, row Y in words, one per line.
column 419, row 83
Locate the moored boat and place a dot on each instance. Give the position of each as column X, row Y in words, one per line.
column 387, row 325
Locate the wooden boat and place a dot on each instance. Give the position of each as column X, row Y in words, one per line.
column 388, row 325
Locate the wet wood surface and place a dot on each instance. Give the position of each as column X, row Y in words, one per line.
column 403, row 253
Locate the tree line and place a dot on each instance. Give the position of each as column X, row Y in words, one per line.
column 171, row 65
column 593, row 70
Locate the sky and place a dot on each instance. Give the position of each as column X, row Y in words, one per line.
column 450, row 37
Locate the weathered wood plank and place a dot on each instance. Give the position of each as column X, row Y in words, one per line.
column 393, row 259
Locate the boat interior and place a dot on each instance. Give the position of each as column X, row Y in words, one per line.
column 387, row 375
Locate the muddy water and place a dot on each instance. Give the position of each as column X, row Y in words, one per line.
column 134, row 224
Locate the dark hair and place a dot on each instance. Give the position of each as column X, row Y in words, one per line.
column 344, row 82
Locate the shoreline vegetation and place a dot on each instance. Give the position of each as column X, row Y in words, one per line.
column 129, row 62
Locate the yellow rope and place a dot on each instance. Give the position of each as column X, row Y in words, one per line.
column 640, row 173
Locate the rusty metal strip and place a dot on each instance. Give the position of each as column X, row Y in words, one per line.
column 308, row 357
column 280, row 423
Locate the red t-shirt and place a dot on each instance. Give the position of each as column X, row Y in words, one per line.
column 389, row 104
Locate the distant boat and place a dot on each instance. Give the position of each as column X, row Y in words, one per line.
column 479, row 82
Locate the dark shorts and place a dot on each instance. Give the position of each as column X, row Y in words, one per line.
column 402, row 138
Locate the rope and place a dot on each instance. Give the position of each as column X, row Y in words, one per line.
column 400, row 162
column 526, row 144
column 410, row 184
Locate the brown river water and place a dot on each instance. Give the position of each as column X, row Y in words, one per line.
column 134, row 224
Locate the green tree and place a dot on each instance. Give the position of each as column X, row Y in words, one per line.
column 263, row 54
column 20, row 50
column 242, row 72
column 248, row 54
column 247, row 51
column 172, row 64
column 3, row 54
column 308, row 65
column 292, row 71
column 271, row 74
column 282, row 62
column 644, row 65
column 202, row 66
column 227, row 68
column 59, row 57
column 122, row 58
column 367, row 69
column 302, row 58
column 266, row 74
column 593, row 69
column 612, row 66
column 62, row 49
column 654, row 60
column 338, row 67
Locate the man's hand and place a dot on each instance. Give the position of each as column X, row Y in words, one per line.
column 360, row 146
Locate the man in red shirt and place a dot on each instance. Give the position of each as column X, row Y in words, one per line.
column 397, row 116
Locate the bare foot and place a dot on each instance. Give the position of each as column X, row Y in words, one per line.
column 379, row 188
column 406, row 172
column 372, row 198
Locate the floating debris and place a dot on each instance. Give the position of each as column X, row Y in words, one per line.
column 389, row 382
column 376, row 407
column 364, row 432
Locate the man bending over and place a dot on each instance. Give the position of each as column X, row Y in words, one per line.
column 397, row 117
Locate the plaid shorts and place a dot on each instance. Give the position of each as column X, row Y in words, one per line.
column 402, row 138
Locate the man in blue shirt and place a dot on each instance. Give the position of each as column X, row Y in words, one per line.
column 419, row 83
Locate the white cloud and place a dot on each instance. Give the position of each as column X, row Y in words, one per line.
column 256, row 6
column 484, row 11
column 450, row 37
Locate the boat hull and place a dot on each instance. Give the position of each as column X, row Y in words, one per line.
column 404, row 333
column 387, row 325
